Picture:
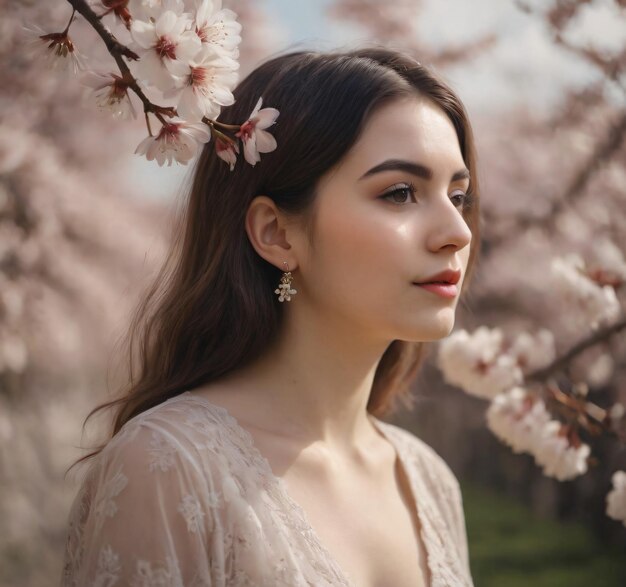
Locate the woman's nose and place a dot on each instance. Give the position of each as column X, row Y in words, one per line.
column 449, row 228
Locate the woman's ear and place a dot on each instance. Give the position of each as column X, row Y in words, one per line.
column 267, row 229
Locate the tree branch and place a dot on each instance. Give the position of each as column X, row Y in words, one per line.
column 575, row 189
column 118, row 51
column 543, row 374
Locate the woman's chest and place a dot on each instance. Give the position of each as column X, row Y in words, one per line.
column 370, row 530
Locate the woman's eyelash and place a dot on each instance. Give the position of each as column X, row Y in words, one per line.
column 466, row 198
column 405, row 188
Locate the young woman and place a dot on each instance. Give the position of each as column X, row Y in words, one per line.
column 248, row 449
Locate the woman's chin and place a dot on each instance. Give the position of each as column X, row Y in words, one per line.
column 429, row 332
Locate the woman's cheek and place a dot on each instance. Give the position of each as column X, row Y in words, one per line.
column 371, row 247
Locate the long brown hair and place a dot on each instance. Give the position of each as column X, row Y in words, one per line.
column 211, row 308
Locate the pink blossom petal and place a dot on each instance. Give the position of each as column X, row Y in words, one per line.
column 143, row 34
column 250, row 152
column 223, row 97
column 265, row 142
column 266, row 117
column 95, row 80
column 227, row 152
column 165, row 24
column 200, row 132
column 177, row 67
column 142, row 147
column 189, row 106
column 256, row 108
column 151, row 69
column 188, row 46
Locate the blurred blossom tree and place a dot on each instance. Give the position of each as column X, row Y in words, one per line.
column 71, row 240
column 552, row 264
column 77, row 245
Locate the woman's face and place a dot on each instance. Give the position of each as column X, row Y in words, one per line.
column 371, row 246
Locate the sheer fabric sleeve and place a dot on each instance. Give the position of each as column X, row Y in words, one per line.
column 144, row 516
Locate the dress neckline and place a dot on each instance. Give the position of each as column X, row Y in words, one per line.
column 305, row 526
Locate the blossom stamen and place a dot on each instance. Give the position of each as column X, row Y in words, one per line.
column 165, row 48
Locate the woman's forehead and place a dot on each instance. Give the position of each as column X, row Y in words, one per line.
column 414, row 130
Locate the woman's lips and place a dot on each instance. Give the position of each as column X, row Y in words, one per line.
column 445, row 290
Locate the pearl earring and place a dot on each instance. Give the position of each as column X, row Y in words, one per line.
column 284, row 289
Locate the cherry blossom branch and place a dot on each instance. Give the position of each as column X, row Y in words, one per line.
column 115, row 48
column 579, row 411
column 604, row 150
column 118, row 51
column 558, row 17
column 223, row 125
column 603, row 334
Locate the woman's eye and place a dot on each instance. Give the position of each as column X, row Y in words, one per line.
column 464, row 200
column 461, row 198
column 399, row 194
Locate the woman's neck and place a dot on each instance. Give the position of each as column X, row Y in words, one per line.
column 313, row 384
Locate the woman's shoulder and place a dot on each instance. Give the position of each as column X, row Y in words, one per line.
column 174, row 434
column 161, row 492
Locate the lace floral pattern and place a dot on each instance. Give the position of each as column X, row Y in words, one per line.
column 108, row 567
column 182, row 497
column 191, row 510
column 162, row 453
column 105, row 506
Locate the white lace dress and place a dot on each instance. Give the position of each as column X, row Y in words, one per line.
column 182, row 497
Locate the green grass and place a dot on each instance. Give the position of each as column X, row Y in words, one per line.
column 510, row 547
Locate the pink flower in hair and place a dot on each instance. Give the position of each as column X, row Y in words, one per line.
column 227, row 151
column 253, row 134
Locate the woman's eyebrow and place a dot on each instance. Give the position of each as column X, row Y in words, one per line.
column 413, row 168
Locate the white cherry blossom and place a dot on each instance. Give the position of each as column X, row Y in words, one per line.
column 606, row 263
column 616, row 498
column 522, row 422
column 147, row 9
column 160, row 44
column 589, row 302
column 56, row 49
column 476, row 362
column 517, row 419
column 177, row 140
column 557, row 456
column 207, row 82
column 218, row 28
column 111, row 93
column 533, row 351
column 253, row 134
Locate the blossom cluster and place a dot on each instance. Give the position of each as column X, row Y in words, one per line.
column 488, row 365
column 588, row 290
column 484, row 364
column 522, row 422
column 188, row 54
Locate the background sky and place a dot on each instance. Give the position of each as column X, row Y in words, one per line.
column 523, row 68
